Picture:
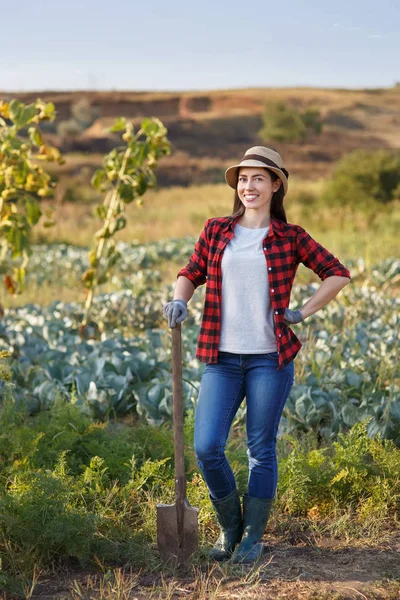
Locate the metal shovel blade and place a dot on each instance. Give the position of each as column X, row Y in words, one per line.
column 175, row 545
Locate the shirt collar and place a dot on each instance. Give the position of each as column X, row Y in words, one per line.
column 277, row 226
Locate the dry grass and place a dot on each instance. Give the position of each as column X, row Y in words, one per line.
column 318, row 569
column 176, row 212
column 370, row 234
column 45, row 295
column 173, row 212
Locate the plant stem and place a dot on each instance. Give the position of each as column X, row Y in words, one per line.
column 102, row 241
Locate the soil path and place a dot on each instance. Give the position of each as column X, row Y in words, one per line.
column 298, row 570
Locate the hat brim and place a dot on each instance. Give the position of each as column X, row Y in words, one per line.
column 231, row 174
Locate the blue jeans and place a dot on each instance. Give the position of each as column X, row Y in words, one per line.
column 222, row 389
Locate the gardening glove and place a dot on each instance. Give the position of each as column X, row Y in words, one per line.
column 175, row 311
column 292, row 317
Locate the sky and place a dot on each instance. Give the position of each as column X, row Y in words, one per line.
column 175, row 45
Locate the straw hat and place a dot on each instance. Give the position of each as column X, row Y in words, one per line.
column 259, row 156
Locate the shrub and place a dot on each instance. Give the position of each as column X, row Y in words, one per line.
column 69, row 128
column 283, row 123
column 364, row 175
column 312, row 121
column 84, row 114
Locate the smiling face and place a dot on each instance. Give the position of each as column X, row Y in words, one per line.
column 255, row 188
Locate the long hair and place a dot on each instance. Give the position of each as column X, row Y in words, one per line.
column 277, row 209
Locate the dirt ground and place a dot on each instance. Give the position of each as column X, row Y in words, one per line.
column 298, row 568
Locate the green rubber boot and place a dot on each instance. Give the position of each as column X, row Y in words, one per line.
column 256, row 513
column 229, row 515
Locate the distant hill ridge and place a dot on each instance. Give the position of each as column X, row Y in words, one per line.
column 210, row 129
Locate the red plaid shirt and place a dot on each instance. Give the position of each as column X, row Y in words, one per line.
column 285, row 246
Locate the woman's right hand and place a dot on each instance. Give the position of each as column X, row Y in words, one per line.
column 292, row 317
column 175, row 311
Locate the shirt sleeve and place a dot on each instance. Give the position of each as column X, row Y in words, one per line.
column 196, row 269
column 317, row 258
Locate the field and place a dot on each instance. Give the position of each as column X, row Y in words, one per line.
column 85, row 429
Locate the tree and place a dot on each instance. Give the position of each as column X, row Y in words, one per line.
column 283, row 123
column 69, row 128
column 365, row 175
column 83, row 116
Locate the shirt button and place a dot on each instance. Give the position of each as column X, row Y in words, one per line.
column 264, row 248
column 280, row 335
column 276, row 312
column 269, row 268
column 272, row 290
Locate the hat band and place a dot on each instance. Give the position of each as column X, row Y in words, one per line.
column 266, row 161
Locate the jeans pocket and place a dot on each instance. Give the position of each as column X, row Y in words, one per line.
column 273, row 355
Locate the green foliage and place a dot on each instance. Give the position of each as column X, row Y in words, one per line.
column 357, row 471
column 75, row 489
column 84, row 113
column 37, row 443
column 364, row 176
column 283, row 123
column 23, row 182
column 128, row 172
column 312, row 121
column 71, row 488
column 38, row 510
column 5, row 371
column 83, row 116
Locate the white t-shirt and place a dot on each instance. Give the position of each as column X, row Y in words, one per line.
column 247, row 322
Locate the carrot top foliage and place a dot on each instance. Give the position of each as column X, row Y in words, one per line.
column 75, row 489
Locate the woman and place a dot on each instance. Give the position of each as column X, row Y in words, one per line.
column 249, row 261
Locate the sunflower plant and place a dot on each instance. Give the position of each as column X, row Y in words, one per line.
column 128, row 172
column 23, row 183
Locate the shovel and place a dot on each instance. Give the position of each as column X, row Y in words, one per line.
column 177, row 533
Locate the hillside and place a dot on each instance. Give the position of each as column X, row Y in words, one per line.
column 209, row 130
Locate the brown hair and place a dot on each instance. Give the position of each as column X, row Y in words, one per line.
column 277, row 209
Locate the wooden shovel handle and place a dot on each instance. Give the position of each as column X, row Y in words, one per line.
column 180, row 481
